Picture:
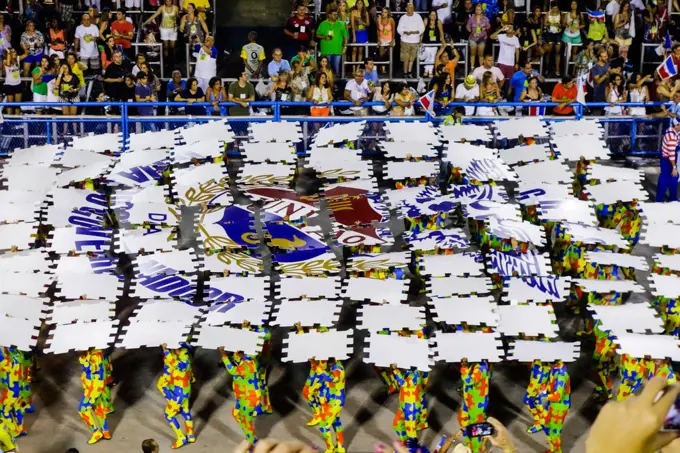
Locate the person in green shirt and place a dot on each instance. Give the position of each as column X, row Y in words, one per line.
column 39, row 86
column 241, row 92
column 597, row 32
column 332, row 34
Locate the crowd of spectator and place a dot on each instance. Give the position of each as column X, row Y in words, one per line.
column 341, row 53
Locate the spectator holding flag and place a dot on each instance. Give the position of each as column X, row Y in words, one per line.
column 597, row 30
column 668, row 177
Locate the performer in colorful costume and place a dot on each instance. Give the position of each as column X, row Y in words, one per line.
column 246, row 384
column 559, row 402
column 536, row 394
column 408, row 414
column 633, row 372
column 12, row 390
column 605, row 363
column 7, row 443
column 175, row 385
column 475, row 402
column 329, row 390
column 92, row 407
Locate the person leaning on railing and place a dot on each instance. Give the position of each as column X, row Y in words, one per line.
column 12, row 86
column 241, row 92
column 320, row 93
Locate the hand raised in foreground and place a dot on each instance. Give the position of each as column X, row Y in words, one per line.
column 633, row 425
column 273, row 446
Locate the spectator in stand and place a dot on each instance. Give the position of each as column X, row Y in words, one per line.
column 320, row 93
column 193, row 25
column 114, row 77
column 611, row 10
column 443, row 94
column 552, row 22
column 68, row 86
column 277, row 64
column 622, row 28
column 206, row 62
column 585, row 59
column 509, row 18
column 106, row 55
column 487, row 66
column 444, row 58
column 508, row 52
column 385, row 96
column 534, row 23
column 410, row 29
column 532, row 93
column 85, row 43
column 404, row 102
column 468, row 91
column 104, row 24
column 32, row 43
column 144, row 93
column 357, row 92
column 668, row 177
column 241, row 92
column 307, row 61
column 175, row 86
column 281, row 91
column 57, row 37
column 41, row 74
column 333, row 36
column 599, row 74
column 192, row 95
column 359, row 21
column 615, row 93
column 655, row 19
column 200, row 5
column 12, row 87
column 597, row 31
column 216, row 94
column 371, row 73
column 123, row 31
column 638, row 93
column 344, row 14
column 253, row 56
column 65, row 7
column 299, row 31
column 489, row 92
column 299, row 82
column 169, row 18
column 666, row 91
column 325, row 68
column 154, row 81
column 573, row 24
column 433, row 37
column 77, row 69
column 5, row 36
column 386, row 29
column 443, row 9
column 518, row 82
column 478, row 27
column 467, row 9
column 55, row 62
column 139, row 59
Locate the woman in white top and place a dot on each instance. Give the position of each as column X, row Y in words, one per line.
column 638, row 93
column 615, row 94
column 206, row 62
column 552, row 22
column 13, row 88
column 320, row 93
column 169, row 14
column 385, row 95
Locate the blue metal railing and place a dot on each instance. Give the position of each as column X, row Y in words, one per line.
column 36, row 123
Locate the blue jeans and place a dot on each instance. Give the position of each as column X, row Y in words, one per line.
column 420, row 5
column 667, row 182
column 334, row 61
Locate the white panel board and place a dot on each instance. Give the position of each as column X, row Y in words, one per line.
column 472, row 310
column 392, row 317
column 318, row 345
column 472, row 346
column 545, row 351
column 388, row 291
column 458, row 286
column 404, row 352
column 82, row 336
column 627, row 318
column 457, row 264
column 529, row 320
column 308, row 313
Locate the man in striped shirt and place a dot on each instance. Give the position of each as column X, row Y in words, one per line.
column 668, row 178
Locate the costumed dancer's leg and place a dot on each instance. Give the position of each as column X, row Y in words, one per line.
column 26, row 378
column 422, row 412
column 247, row 415
column 411, row 416
column 188, row 420
column 170, row 414
column 86, row 412
column 557, row 412
column 6, row 439
column 605, row 364
column 537, row 411
column 100, row 412
column 108, row 383
column 339, row 431
column 399, row 426
column 7, row 418
column 262, row 372
column 325, row 427
column 672, row 317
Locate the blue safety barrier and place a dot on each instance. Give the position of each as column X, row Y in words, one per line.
column 626, row 135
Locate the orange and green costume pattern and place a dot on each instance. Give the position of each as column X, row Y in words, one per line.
column 407, row 416
column 475, row 399
column 7, row 442
column 12, row 404
column 175, row 385
column 331, row 389
column 92, row 408
column 559, row 403
column 605, row 362
column 536, row 394
column 633, row 372
column 246, row 385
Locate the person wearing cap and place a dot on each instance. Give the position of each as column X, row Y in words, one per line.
column 668, row 178
column 468, row 91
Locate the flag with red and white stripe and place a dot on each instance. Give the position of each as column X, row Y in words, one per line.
column 427, row 101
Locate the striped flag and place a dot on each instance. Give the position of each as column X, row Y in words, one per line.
column 599, row 15
column 667, row 69
column 581, row 88
column 536, row 111
column 427, row 101
column 667, row 44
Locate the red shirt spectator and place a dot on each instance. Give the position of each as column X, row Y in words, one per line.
column 564, row 93
column 300, row 28
column 122, row 31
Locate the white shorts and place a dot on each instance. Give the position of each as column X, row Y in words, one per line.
column 133, row 3
column 168, row 34
column 203, row 83
column 39, row 98
column 56, row 52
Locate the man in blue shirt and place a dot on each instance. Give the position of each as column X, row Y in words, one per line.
column 518, row 82
column 371, row 73
column 277, row 64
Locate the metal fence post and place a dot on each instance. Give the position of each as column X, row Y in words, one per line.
column 579, row 111
column 277, row 112
column 124, row 121
column 48, row 132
